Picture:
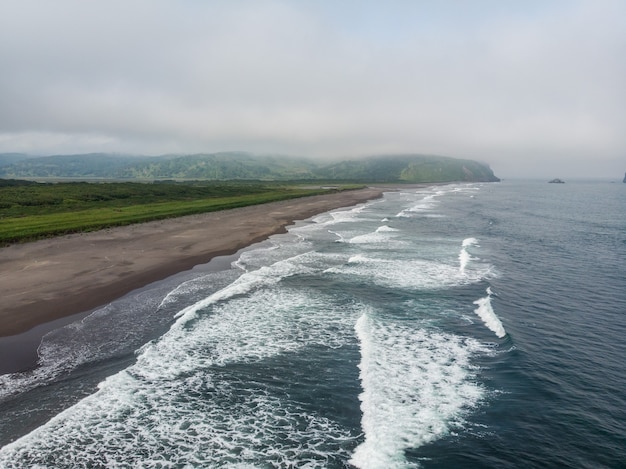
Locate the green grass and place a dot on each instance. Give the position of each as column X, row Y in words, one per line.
column 45, row 210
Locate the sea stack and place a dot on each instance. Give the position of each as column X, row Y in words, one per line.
column 558, row 181
column 624, row 178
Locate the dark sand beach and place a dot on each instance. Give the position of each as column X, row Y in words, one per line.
column 55, row 278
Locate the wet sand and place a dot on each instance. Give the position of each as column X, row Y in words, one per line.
column 55, row 278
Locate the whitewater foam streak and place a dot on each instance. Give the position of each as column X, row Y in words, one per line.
column 464, row 255
column 174, row 408
column 424, row 205
column 171, row 425
column 409, row 274
column 486, row 313
column 417, row 386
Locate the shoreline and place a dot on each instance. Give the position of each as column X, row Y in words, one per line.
column 20, row 352
column 56, row 278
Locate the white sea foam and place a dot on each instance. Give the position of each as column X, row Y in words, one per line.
column 369, row 238
column 428, row 201
column 339, row 223
column 409, row 274
column 193, row 422
column 340, row 237
column 486, row 313
column 382, row 235
column 348, row 215
column 385, row 228
column 256, row 258
column 194, row 288
column 172, row 409
column 464, row 255
column 358, row 258
column 246, row 328
column 130, row 322
column 470, row 242
column 263, row 277
column 417, row 387
column 424, row 205
column 464, row 259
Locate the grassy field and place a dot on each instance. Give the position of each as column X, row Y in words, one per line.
column 30, row 211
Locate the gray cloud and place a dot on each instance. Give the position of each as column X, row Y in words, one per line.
column 527, row 89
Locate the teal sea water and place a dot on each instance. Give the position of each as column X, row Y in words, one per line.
column 465, row 326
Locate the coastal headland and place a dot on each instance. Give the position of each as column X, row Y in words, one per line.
column 58, row 277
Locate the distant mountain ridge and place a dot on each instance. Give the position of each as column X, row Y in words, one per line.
column 240, row 165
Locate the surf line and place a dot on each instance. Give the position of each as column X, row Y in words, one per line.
column 464, row 255
column 485, row 312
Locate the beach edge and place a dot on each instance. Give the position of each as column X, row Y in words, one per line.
column 59, row 277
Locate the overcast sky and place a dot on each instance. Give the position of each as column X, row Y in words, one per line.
column 534, row 88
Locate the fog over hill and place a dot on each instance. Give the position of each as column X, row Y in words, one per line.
column 241, row 165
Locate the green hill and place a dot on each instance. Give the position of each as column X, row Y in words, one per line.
column 91, row 165
column 222, row 166
column 409, row 169
column 11, row 158
column 245, row 166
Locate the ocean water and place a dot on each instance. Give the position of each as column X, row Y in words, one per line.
column 456, row 326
